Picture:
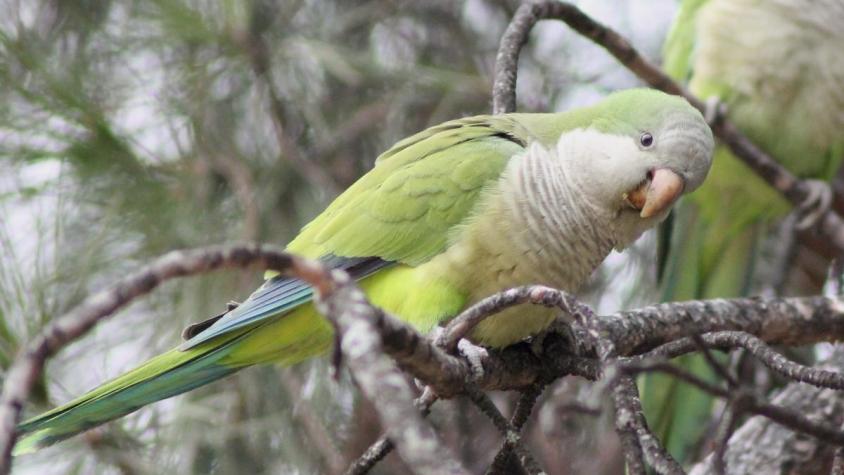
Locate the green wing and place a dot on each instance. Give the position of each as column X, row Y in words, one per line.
column 402, row 211
column 406, row 207
column 678, row 51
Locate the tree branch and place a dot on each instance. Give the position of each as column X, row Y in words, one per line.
column 774, row 361
column 336, row 295
column 637, row 441
column 29, row 363
column 517, row 421
column 369, row 335
column 512, row 434
column 383, row 446
column 379, row 378
column 762, row 445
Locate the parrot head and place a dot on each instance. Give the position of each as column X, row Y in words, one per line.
column 642, row 151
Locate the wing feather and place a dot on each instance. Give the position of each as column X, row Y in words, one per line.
column 402, row 211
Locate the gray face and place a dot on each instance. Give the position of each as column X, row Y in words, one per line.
column 666, row 131
column 642, row 170
column 685, row 145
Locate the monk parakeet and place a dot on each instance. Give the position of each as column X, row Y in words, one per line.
column 446, row 217
column 778, row 67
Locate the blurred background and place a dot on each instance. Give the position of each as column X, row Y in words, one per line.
column 131, row 128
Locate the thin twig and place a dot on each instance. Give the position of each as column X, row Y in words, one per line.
column 634, row 368
column 732, row 414
column 255, row 46
column 578, row 407
column 512, row 435
column 717, row 367
column 796, row 421
column 318, row 437
column 524, row 407
column 774, row 361
column 383, row 446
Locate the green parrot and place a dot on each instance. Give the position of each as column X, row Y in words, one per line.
column 446, row 217
column 778, row 67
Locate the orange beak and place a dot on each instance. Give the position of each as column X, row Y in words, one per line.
column 657, row 193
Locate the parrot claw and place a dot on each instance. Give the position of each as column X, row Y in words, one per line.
column 436, row 334
column 815, row 206
column 714, row 110
column 474, row 355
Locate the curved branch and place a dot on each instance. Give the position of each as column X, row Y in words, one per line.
column 463, row 324
column 29, row 363
column 369, row 335
column 774, row 361
column 762, row 445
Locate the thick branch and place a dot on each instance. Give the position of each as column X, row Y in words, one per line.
column 791, row 321
column 379, row 377
column 788, row 321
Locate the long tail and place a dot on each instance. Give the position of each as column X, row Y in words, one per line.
column 162, row 377
column 275, row 324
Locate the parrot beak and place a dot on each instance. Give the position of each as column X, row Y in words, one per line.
column 657, row 193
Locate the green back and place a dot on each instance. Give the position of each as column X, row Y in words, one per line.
column 404, row 209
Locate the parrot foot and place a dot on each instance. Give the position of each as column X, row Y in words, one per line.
column 815, row 206
column 714, row 110
column 474, row 355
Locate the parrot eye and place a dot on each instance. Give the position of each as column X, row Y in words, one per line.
column 646, row 139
